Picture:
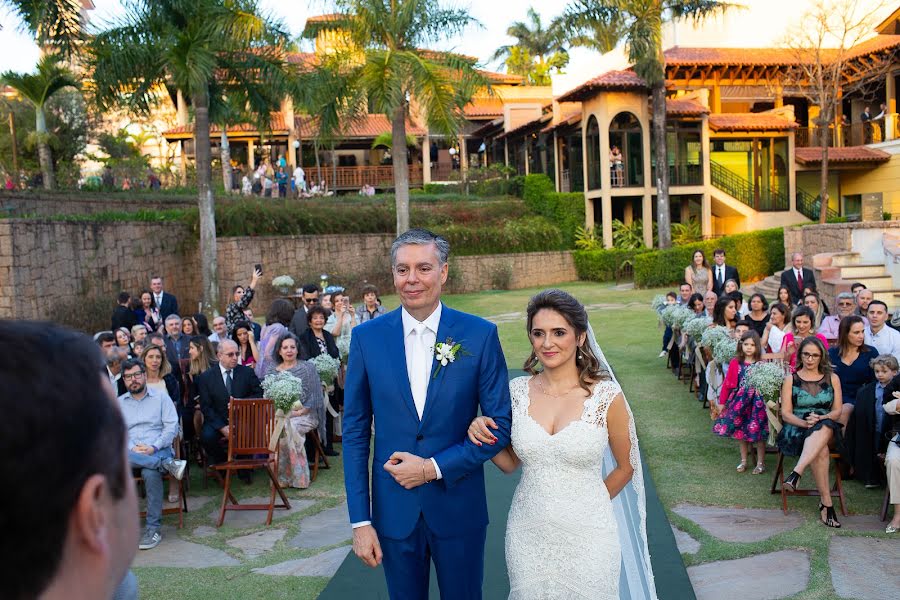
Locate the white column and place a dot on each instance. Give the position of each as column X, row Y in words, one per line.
column 426, row 159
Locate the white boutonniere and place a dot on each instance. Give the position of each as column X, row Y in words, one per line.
column 445, row 353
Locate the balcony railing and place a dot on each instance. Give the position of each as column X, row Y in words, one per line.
column 857, row 134
column 736, row 186
column 354, row 178
column 809, row 206
column 682, row 174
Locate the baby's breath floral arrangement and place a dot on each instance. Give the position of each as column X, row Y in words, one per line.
column 696, row 327
column 724, row 350
column 327, row 368
column 712, row 335
column 675, row 314
column 658, row 303
column 343, row 344
column 766, row 378
column 284, row 390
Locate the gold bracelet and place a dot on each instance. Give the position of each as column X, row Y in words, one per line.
column 424, row 477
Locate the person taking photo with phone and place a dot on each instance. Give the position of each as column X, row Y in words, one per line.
column 241, row 298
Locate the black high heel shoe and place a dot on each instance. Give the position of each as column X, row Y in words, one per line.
column 790, row 484
column 830, row 519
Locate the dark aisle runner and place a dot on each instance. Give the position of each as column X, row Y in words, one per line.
column 355, row 581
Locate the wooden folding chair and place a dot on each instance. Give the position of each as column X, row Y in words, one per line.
column 319, row 454
column 251, row 423
column 182, row 506
column 837, row 490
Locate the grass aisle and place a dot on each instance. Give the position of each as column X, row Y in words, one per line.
column 687, row 462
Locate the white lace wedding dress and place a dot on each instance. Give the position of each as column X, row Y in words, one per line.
column 562, row 539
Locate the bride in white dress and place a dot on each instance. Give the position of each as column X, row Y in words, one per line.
column 576, row 527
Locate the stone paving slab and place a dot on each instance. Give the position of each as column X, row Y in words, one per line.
column 258, row 543
column 740, row 524
column 762, row 577
column 204, row 531
column 326, row 528
column 325, row 564
column 875, row 578
column 252, row 518
column 176, row 552
column 869, row 523
column 686, row 544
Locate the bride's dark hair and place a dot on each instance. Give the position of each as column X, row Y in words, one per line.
column 590, row 368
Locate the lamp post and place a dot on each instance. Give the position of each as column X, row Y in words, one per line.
column 10, row 95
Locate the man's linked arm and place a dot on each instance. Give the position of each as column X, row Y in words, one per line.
column 459, row 460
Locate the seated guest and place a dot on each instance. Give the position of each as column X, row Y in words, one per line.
column 246, row 340
column 725, row 312
column 885, row 339
column 850, row 361
column 892, row 457
column 810, row 407
column 784, row 296
column 114, row 358
column 122, row 315
column 844, row 306
column 776, row 328
column 671, row 298
column 739, row 305
column 856, row 287
column 138, row 333
column 220, row 331
column 137, row 348
column 278, row 318
column 863, row 299
column 188, row 327
column 152, row 426
column 123, row 339
column 159, row 377
column 695, row 303
column 69, row 527
column 371, row 306
column 801, row 328
column 709, row 303
column 240, row 299
column 865, row 432
column 758, row 315
column 201, row 325
column 216, row 387
column 812, row 302
column 106, row 340
column 176, row 343
column 293, row 465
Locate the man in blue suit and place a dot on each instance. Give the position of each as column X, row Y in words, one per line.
column 427, row 494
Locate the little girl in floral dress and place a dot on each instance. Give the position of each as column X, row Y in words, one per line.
column 744, row 415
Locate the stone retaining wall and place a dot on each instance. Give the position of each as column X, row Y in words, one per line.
column 831, row 237
column 72, row 271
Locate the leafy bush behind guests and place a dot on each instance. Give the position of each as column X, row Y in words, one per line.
column 602, row 265
column 527, row 234
column 83, row 313
column 756, row 254
column 566, row 210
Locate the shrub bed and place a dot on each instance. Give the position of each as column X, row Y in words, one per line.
column 566, row 210
column 756, row 254
column 601, row 265
column 528, row 234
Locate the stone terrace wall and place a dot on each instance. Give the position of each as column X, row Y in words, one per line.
column 51, row 267
column 21, row 204
column 511, row 271
column 58, row 270
column 831, row 237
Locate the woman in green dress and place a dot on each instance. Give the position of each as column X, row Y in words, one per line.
column 810, row 408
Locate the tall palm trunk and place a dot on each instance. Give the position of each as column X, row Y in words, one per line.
column 206, row 204
column 334, row 163
column 401, row 170
column 663, row 218
column 225, row 157
column 45, row 156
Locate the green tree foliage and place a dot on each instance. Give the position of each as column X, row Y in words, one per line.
column 538, row 53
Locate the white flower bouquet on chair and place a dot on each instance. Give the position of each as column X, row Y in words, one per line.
column 284, row 390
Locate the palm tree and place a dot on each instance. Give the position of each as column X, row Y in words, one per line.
column 533, row 41
column 602, row 24
column 204, row 49
column 385, row 67
column 53, row 23
column 38, row 88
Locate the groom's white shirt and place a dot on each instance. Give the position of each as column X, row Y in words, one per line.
column 419, row 352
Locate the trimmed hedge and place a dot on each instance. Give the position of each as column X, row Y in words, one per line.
column 528, row 234
column 601, row 265
column 756, row 254
column 566, row 210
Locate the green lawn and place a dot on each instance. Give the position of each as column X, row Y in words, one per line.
column 688, row 463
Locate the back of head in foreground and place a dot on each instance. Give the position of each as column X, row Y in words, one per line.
column 69, row 517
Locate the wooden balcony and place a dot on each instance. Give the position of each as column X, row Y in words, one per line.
column 354, row 178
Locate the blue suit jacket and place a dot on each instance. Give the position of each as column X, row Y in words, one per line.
column 377, row 386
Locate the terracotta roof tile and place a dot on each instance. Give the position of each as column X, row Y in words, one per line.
column 494, row 77
column 369, row 127
column 685, row 107
column 483, row 108
column 848, row 154
column 611, row 80
column 678, row 56
column 749, row 122
column 276, row 125
column 568, row 119
column 325, row 18
column 875, row 44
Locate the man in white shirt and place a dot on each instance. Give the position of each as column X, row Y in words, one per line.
column 878, row 335
column 220, row 331
column 300, row 180
column 798, row 278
